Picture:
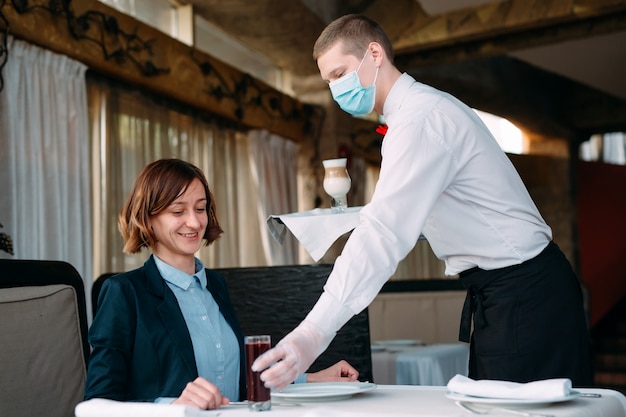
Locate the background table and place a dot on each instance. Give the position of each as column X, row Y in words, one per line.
column 420, row 365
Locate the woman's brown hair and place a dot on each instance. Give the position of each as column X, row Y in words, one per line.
column 157, row 186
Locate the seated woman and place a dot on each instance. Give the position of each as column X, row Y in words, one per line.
column 167, row 331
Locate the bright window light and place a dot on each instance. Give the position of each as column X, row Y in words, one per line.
column 159, row 14
column 607, row 147
column 509, row 137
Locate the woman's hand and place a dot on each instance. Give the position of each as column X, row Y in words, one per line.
column 342, row 371
column 202, row 394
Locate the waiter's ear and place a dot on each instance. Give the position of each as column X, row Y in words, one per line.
column 376, row 51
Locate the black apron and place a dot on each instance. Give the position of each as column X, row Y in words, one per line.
column 529, row 321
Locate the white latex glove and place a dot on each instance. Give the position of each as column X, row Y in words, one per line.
column 293, row 355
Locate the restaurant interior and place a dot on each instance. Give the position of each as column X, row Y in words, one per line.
column 93, row 90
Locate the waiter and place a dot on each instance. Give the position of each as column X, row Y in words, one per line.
column 442, row 175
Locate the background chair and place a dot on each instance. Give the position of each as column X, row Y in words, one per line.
column 274, row 299
column 43, row 348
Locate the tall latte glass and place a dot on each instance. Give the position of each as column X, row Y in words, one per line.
column 337, row 183
column 259, row 398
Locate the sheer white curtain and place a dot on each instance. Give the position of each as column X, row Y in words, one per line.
column 236, row 198
column 131, row 129
column 274, row 162
column 44, row 158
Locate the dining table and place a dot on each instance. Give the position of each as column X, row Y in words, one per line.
column 393, row 400
column 407, row 364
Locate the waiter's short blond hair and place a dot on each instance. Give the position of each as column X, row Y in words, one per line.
column 356, row 32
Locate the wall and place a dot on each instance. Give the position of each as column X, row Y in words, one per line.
column 121, row 47
column 547, row 179
column 602, row 227
column 588, row 227
column 430, row 316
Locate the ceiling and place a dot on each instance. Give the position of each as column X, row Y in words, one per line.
column 556, row 67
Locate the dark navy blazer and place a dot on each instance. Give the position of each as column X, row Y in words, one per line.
column 141, row 345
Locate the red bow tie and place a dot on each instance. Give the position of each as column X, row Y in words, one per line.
column 382, row 129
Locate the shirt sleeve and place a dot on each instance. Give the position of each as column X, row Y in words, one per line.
column 417, row 166
column 165, row 400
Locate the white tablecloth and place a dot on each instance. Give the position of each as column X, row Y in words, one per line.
column 404, row 400
column 420, row 365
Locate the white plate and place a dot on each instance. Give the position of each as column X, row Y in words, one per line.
column 322, row 391
column 399, row 342
column 509, row 401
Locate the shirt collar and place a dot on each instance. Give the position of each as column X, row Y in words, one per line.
column 396, row 95
column 179, row 278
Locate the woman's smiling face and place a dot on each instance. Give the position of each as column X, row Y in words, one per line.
column 179, row 229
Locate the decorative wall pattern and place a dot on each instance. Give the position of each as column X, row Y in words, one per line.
column 118, row 45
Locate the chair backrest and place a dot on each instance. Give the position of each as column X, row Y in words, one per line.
column 43, row 347
column 274, row 299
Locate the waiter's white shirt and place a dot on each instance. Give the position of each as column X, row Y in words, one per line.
column 442, row 175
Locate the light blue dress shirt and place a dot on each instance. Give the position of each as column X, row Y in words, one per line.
column 215, row 345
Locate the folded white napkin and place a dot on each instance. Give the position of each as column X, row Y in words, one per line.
column 100, row 407
column 547, row 388
column 316, row 229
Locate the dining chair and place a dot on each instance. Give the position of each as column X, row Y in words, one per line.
column 43, row 347
column 95, row 290
column 274, row 299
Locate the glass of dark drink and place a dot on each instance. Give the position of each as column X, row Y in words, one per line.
column 259, row 398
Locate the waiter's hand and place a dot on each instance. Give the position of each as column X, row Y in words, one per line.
column 292, row 356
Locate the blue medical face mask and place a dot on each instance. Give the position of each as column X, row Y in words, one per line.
column 351, row 96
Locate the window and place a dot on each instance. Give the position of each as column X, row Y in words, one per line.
column 160, row 14
column 506, row 133
column 607, row 147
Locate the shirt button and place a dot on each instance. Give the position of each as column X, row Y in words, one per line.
column 219, row 377
column 204, row 317
column 219, row 345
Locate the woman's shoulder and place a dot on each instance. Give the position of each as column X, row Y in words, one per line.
column 121, row 276
column 128, row 279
